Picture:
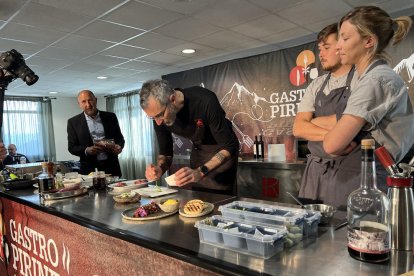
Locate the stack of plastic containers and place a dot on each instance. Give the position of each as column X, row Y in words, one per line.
column 258, row 229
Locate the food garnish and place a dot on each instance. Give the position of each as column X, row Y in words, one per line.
column 170, row 202
column 146, row 210
column 120, row 184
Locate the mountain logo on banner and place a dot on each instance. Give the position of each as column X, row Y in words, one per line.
column 408, row 65
column 239, row 99
column 298, row 74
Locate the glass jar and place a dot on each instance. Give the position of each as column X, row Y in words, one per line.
column 45, row 179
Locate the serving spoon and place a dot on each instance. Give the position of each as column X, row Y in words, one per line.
column 297, row 200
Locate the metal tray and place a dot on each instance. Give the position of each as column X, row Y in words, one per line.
column 53, row 196
column 19, row 184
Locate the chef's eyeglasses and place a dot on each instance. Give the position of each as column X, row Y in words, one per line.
column 159, row 115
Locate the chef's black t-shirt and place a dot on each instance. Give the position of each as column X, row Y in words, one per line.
column 202, row 120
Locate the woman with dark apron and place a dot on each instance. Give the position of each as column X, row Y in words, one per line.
column 379, row 103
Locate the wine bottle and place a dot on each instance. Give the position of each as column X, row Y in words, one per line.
column 368, row 213
column 255, row 147
column 261, row 148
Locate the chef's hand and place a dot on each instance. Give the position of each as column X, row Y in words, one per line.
column 187, row 175
column 3, row 152
column 93, row 150
column 114, row 148
column 153, row 172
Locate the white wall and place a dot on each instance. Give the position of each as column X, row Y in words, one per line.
column 64, row 108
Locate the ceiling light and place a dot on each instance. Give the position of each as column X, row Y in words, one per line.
column 188, row 51
column 102, row 77
column 53, row 92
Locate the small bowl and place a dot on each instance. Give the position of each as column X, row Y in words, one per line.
column 130, row 197
column 171, row 206
column 327, row 211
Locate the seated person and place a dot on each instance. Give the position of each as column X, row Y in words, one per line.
column 13, row 157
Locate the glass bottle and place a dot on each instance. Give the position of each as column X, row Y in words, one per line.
column 255, row 146
column 261, row 153
column 22, row 160
column 259, row 150
column 368, row 213
column 58, row 178
column 46, row 181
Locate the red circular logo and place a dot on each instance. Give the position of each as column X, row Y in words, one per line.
column 297, row 76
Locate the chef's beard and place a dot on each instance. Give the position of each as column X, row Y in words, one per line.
column 172, row 115
column 332, row 68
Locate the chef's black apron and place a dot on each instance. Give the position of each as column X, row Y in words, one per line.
column 222, row 180
column 327, row 178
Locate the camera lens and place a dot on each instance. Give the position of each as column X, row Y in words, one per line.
column 31, row 79
column 27, row 75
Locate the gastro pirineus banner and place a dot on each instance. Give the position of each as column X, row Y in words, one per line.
column 260, row 94
column 35, row 243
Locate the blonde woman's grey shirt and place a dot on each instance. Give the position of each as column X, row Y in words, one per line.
column 381, row 98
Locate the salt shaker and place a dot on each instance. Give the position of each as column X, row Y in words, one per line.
column 401, row 212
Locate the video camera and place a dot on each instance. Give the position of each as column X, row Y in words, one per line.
column 12, row 62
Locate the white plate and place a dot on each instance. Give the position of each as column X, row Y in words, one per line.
column 208, row 208
column 154, row 191
column 130, row 185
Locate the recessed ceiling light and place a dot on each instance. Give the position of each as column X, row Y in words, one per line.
column 102, row 77
column 188, row 51
column 53, row 92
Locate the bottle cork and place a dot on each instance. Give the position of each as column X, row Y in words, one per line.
column 367, row 143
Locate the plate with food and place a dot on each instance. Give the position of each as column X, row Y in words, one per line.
column 155, row 191
column 126, row 186
column 127, row 197
column 196, row 208
column 148, row 211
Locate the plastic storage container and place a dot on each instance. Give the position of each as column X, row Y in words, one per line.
column 298, row 221
column 242, row 237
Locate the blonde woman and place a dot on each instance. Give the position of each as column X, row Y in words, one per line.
column 379, row 105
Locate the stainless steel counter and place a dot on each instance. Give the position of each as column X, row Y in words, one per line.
column 176, row 236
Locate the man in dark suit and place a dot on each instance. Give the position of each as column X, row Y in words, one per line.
column 13, row 157
column 95, row 136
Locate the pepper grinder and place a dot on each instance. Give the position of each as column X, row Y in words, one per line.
column 401, row 212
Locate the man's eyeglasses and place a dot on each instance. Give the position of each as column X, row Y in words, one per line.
column 159, row 115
